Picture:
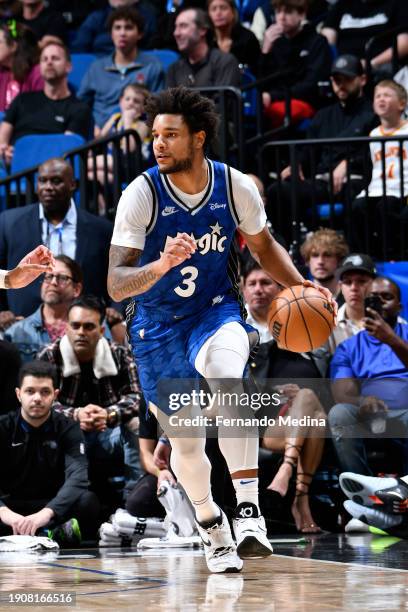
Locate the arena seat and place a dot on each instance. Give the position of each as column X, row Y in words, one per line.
column 166, row 56
column 34, row 149
column 80, row 64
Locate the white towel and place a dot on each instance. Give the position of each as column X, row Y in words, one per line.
column 24, row 542
column 127, row 525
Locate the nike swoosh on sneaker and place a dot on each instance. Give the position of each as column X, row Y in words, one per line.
column 206, row 543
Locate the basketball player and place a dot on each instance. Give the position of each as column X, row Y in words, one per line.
column 171, row 250
column 36, row 262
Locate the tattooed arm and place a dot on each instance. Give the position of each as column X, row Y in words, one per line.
column 125, row 279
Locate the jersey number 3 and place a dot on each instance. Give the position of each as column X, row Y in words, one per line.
column 187, row 287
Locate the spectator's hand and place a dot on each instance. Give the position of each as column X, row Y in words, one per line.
column 34, row 264
column 49, row 39
column 378, row 327
column 327, row 294
column 290, row 390
column 287, row 172
column 161, row 455
column 99, row 416
column 271, row 35
column 266, row 99
column 8, row 155
column 7, row 318
column 28, row 525
column 129, row 116
column 165, row 475
column 371, row 405
column 339, row 175
column 86, row 417
column 10, row 518
column 6, row 152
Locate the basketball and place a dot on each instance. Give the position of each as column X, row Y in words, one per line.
column 300, row 319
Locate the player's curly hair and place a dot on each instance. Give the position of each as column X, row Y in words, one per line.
column 198, row 112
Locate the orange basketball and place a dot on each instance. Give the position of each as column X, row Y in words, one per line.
column 300, row 319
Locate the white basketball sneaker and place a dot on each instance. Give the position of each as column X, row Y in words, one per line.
column 362, row 489
column 250, row 532
column 219, row 547
column 371, row 516
column 179, row 511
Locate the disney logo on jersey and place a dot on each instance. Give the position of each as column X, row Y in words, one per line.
column 169, row 210
column 215, row 205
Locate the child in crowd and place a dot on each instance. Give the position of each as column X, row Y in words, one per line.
column 131, row 104
column 383, row 196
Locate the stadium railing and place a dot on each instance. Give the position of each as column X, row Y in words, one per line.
column 337, row 211
column 122, row 151
column 18, row 189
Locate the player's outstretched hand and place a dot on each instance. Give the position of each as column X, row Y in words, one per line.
column 177, row 250
column 327, row 294
column 34, row 264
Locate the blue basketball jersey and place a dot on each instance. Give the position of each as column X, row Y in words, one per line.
column 209, row 273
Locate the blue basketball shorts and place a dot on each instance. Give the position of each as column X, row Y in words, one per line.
column 168, row 349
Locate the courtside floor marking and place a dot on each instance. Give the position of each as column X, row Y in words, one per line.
column 362, row 565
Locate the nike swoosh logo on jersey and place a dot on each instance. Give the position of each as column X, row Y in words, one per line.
column 17, row 443
column 169, row 210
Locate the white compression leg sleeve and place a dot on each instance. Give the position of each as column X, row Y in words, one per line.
column 225, row 355
column 192, row 468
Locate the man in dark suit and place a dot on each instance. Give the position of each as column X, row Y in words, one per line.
column 56, row 222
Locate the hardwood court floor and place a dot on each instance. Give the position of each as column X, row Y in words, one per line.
column 330, row 572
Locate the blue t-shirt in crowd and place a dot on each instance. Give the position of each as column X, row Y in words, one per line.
column 376, row 366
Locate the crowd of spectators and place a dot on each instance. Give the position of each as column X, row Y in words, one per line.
column 64, row 341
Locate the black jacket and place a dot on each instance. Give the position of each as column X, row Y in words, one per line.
column 354, row 119
column 301, row 62
column 45, row 463
column 245, row 47
column 217, row 69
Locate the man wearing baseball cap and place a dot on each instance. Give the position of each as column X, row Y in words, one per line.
column 347, row 65
column 355, row 274
column 349, row 117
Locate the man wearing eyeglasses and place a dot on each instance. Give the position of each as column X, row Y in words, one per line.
column 99, row 387
column 48, row 322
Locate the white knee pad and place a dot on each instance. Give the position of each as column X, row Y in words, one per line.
column 225, row 353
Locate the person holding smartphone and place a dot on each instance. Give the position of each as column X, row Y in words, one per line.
column 369, row 374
